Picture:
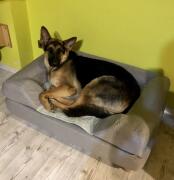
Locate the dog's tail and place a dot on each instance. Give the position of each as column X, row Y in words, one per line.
column 83, row 110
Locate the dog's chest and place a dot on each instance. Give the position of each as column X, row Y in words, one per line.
column 64, row 75
column 57, row 78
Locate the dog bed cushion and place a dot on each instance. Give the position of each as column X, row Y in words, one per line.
column 117, row 130
column 130, row 132
column 87, row 123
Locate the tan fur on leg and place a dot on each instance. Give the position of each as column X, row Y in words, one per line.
column 56, row 96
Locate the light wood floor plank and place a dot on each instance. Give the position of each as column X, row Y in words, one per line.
column 23, row 142
column 66, row 166
column 19, row 162
column 39, row 157
column 8, row 129
column 54, row 162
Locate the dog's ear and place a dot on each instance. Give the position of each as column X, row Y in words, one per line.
column 69, row 43
column 44, row 37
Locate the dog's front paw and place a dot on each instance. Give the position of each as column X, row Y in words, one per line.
column 48, row 107
column 44, row 101
column 52, row 107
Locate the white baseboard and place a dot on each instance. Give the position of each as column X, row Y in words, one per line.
column 8, row 68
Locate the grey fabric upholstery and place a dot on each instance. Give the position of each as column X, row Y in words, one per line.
column 26, row 84
column 131, row 134
column 134, row 129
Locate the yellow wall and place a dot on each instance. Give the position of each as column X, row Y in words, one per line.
column 135, row 32
column 9, row 56
column 20, row 18
column 14, row 14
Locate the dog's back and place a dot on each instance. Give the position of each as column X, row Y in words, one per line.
column 88, row 69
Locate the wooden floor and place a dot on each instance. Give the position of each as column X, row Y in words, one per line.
column 28, row 154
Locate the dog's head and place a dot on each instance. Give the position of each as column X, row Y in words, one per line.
column 56, row 51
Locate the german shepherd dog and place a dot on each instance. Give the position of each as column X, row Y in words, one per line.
column 84, row 86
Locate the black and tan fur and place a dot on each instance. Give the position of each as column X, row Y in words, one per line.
column 84, row 86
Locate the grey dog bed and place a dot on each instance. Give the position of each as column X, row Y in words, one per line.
column 123, row 139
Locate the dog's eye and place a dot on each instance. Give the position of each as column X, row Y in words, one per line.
column 60, row 51
column 50, row 50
